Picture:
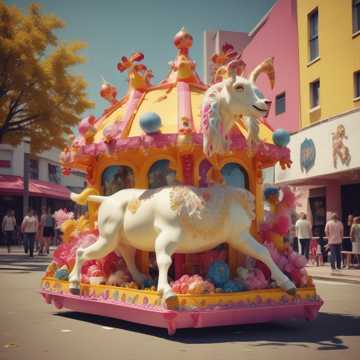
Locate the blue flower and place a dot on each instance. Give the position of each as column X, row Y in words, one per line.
column 218, row 273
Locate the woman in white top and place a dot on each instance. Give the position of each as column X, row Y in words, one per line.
column 304, row 234
column 8, row 227
column 29, row 228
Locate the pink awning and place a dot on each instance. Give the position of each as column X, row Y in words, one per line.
column 14, row 185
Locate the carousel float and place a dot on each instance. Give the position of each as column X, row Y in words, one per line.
column 176, row 235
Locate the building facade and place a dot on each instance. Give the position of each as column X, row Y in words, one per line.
column 316, row 49
column 47, row 185
column 326, row 150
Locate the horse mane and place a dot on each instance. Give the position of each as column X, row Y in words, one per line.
column 211, row 123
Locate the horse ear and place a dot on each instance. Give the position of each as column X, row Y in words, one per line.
column 236, row 67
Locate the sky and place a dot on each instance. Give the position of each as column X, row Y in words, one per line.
column 113, row 28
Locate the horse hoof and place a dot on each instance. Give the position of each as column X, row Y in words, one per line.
column 291, row 291
column 74, row 291
column 288, row 286
column 74, row 288
column 172, row 303
column 171, row 300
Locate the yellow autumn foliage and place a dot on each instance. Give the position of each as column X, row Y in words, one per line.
column 40, row 96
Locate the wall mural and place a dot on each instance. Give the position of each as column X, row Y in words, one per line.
column 115, row 178
column 307, row 155
column 339, row 149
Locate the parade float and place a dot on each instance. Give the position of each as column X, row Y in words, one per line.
column 175, row 234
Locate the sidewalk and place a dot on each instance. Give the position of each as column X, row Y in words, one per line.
column 325, row 273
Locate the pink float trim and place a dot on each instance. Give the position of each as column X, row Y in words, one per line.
column 243, row 313
column 184, row 107
column 132, row 105
column 88, row 153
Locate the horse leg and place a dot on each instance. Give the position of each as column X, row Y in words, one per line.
column 128, row 254
column 249, row 246
column 108, row 239
column 165, row 245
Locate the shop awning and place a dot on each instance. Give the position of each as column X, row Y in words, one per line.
column 14, row 185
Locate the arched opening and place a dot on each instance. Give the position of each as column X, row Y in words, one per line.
column 159, row 172
column 235, row 175
column 115, row 178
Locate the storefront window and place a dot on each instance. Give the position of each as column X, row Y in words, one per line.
column 235, row 175
column 54, row 173
column 116, row 178
column 158, row 174
column 34, row 169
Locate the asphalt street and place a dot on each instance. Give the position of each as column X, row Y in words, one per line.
column 31, row 329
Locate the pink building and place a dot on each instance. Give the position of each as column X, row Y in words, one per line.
column 274, row 36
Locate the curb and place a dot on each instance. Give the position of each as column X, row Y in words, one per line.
column 327, row 278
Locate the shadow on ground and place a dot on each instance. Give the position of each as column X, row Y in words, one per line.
column 324, row 332
column 23, row 263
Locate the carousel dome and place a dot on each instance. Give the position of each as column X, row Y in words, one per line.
column 155, row 117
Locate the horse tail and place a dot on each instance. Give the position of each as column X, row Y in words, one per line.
column 87, row 195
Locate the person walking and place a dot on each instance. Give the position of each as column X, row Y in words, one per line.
column 304, row 234
column 30, row 227
column 47, row 225
column 334, row 230
column 8, row 227
column 355, row 238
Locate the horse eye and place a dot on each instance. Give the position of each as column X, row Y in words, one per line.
column 239, row 87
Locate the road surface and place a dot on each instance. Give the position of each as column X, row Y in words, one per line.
column 31, row 329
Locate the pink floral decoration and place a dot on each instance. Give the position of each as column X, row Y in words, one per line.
column 194, row 284
column 61, row 216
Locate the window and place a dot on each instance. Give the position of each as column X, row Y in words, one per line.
column 313, row 35
column 356, row 15
column 158, row 175
column 5, row 161
column 280, row 104
column 315, row 94
column 78, row 173
column 235, row 175
column 357, row 84
column 34, row 169
column 54, row 173
column 116, row 178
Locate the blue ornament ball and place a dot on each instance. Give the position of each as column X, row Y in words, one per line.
column 281, row 137
column 150, row 122
column 271, row 191
column 218, row 273
column 232, row 286
column 62, row 274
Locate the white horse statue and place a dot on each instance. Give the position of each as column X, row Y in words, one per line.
column 235, row 99
column 184, row 219
column 175, row 219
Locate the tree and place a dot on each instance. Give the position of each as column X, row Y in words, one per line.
column 40, row 96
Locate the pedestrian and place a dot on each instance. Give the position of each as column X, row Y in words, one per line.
column 355, row 239
column 346, row 242
column 8, row 228
column 334, row 231
column 29, row 228
column 294, row 242
column 47, row 226
column 304, row 234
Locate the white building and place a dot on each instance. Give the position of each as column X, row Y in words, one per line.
column 48, row 187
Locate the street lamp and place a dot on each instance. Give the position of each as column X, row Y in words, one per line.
column 26, row 147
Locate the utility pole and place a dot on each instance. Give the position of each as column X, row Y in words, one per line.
column 26, row 144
